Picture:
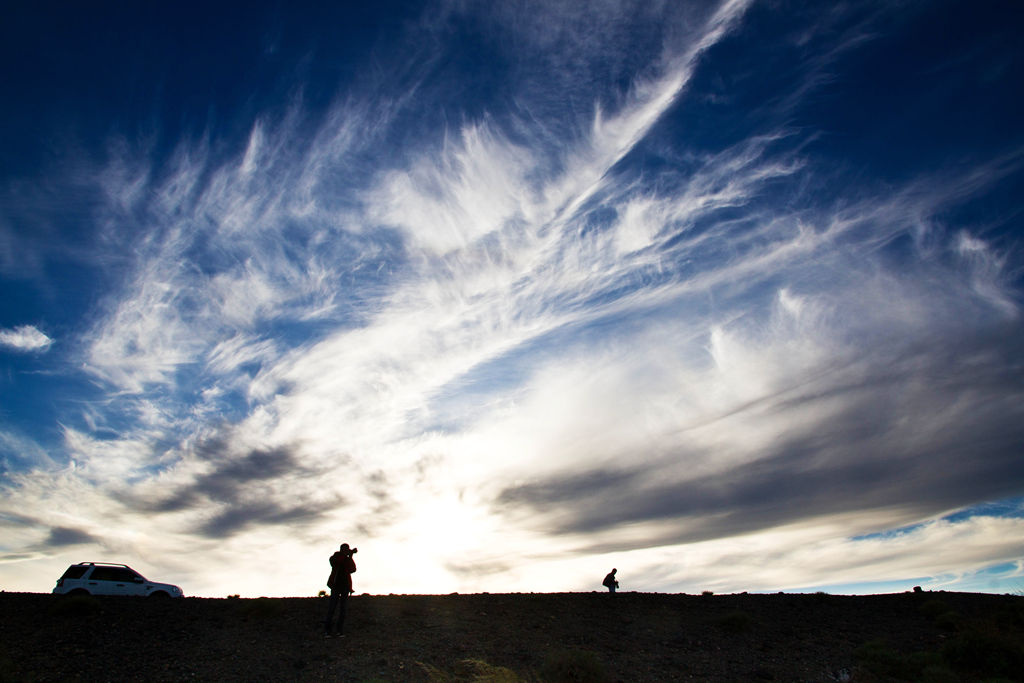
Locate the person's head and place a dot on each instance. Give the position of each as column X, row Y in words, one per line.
column 343, row 548
column 614, row 570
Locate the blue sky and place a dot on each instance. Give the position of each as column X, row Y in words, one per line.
column 725, row 295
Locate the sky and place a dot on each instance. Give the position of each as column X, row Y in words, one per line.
column 726, row 295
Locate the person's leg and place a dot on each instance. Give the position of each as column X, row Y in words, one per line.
column 342, row 606
column 332, row 605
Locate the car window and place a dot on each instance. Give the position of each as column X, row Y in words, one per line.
column 125, row 574
column 75, row 571
column 105, row 574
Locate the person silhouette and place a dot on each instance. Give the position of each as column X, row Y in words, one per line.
column 340, row 583
column 610, row 581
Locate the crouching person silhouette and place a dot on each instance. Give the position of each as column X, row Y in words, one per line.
column 610, row 582
column 340, row 583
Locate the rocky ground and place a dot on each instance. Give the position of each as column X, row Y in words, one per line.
column 532, row 637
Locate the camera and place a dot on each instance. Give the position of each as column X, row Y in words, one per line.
column 353, row 551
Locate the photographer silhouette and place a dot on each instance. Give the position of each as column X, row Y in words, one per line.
column 340, row 583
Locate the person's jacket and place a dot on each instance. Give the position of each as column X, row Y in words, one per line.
column 342, row 568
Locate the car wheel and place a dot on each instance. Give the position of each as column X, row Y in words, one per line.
column 159, row 594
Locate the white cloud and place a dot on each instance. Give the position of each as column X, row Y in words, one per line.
column 806, row 557
column 238, row 350
column 145, row 340
column 18, row 452
column 25, row 338
column 988, row 273
column 476, row 185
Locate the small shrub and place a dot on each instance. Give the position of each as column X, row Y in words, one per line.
column 573, row 666
column 76, row 606
column 707, row 594
column 236, row 596
column 735, row 622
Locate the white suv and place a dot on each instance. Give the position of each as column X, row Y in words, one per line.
column 104, row 578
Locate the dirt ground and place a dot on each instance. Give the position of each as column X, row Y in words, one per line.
column 509, row 637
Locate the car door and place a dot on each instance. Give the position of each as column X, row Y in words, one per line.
column 115, row 581
column 129, row 582
column 105, row 581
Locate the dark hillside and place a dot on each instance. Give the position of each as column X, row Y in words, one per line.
column 575, row 636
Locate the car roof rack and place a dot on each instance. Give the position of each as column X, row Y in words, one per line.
column 106, row 564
